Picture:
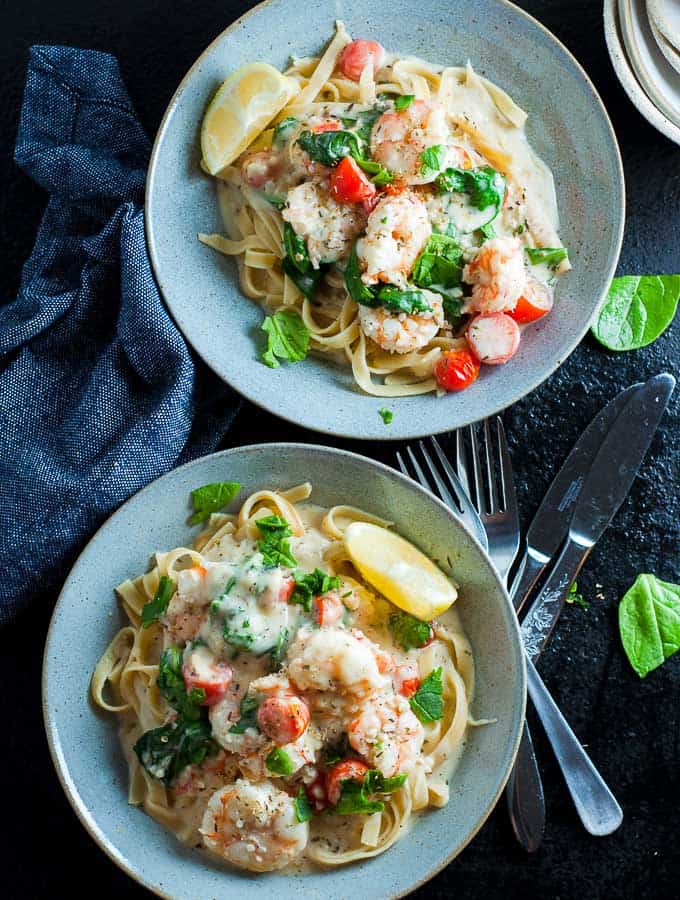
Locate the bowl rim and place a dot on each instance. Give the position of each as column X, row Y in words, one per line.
column 531, row 384
column 51, row 729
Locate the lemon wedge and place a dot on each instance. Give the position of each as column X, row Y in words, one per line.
column 243, row 105
column 399, row 570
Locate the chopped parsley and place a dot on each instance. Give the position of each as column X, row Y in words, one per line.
column 427, row 701
column 274, row 546
column 212, row 497
column 355, row 796
column 154, row 609
column 313, row 585
column 386, row 415
column 575, row 597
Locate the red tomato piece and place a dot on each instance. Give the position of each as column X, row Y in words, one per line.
column 349, row 184
column 287, row 588
column 333, row 125
column 259, row 168
column 201, row 670
column 347, row 770
column 536, row 301
column 494, row 338
column 328, row 610
column 283, row 718
column 410, row 686
column 357, row 55
column 456, row 369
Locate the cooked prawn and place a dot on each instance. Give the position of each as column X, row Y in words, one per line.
column 386, row 733
column 254, row 826
column 329, row 227
column 401, row 332
column 396, row 232
column 497, row 274
column 399, row 138
column 331, row 659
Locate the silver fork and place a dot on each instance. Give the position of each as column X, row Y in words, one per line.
column 586, row 786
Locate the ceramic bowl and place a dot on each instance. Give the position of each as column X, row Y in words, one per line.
column 568, row 127
column 84, row 743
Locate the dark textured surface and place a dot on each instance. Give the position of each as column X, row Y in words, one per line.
column 631, row 728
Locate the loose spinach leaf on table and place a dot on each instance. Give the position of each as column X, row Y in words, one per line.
column 212, row 497
column 649, row 623
column 638, row 309
column 287, row 338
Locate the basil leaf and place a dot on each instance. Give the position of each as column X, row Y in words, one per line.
column 638, row 309
column 248, row 718
column 551, row 256
column 396, row 300
column 355, row 796
column 427, row 701
column 358, row 291
column 212, row 497
column 329, row 147
column 303, row 808
column 287, row 338
column 170, row 683
column 283, row 131
column 295, row 249
column 408, row 631
column 313, row 585
column 386, row 415
column 164, row 752
column 154, row 609
column 380, row 175
column 274, row 546
column 649, row 623
column 432, row 159
column 367, row 119
column 451, row 181
column 279, row 762
column 403, row 102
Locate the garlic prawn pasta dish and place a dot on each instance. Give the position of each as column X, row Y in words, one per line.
column 274, row 706
column 386, row 211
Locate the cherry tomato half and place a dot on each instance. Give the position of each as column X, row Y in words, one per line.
column 456, row 369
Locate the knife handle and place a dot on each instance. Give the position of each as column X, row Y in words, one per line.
column 524, row 796
column 595, row 804
column 527, row 575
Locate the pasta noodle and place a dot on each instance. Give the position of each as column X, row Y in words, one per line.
column 392, row 350
column 134, row 681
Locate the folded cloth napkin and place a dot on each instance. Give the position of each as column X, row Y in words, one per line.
column 99, row 393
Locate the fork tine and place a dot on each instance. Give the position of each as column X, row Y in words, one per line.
column 509, row 495
column 461, row 462
column 455, row 482
column 422, row 478
column 477, row 471
column 492, row 493
column 402, row 465
column 452, row 500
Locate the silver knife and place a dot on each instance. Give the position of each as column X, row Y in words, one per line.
column 603, row 491
column 551, row 521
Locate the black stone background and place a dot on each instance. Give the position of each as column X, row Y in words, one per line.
column 630, row 727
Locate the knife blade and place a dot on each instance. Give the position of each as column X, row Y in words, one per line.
column 604, row 490
column 550, row 524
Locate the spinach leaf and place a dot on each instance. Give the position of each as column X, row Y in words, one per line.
column 329, row 147
column 439, row 263
column 386, row 415
column 380, row 176
column 427, row 701
column 551, row 256
column 278, row 201
column 408, row 631
column 432, row 159
column 396, row 300
column 279, row 762
column 241, row 638
column 358, row 291
column 367, row 119
column 313, row 585
column 306, row 282
column 248, row 717
column 165, row 751
column 649, row 623
column 283, row 131
column 170, row 683
column 154, row 609
column 638, row 309
column 287, row 338
column 355, row 796
column 278, row 651
column 484, row 186
column 487, row 231
column 403, row 102
column 295, row 249
column 303, row 808
column 274, row 546
column 212, row 497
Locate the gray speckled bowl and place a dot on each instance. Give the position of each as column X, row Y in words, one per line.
column 568, row 127
column 84, row 743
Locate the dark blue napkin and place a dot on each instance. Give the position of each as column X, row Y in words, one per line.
column 99, row 393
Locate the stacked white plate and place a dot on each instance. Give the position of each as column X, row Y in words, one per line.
column 643, row 38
